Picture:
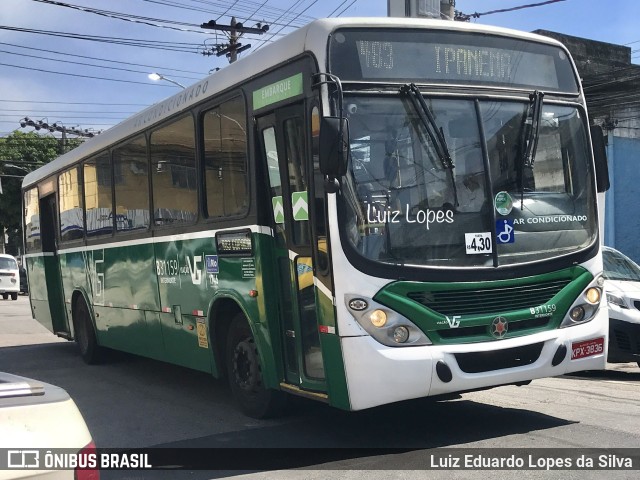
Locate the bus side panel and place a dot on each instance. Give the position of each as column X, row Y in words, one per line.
column 264, row 313
column 38, row 292
column 73, row 270
column 126, row 288
column 185, row 290
column 332, row 353
column 126, row 330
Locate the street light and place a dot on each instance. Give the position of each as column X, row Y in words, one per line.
column 156, row 76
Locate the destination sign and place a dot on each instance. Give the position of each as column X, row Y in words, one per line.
column 450, row 58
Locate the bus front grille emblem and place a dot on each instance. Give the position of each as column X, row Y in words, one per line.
column 499, row 327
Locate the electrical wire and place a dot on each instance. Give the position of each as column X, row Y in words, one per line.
column 125, row 17
column 153, row 44
column 102, row 59
column 88, row 64
column 466, row 17
column 181, row 6
column 86, row 76
column 289, row 24
column 60, row 112
column 347, row 8
column 76, row 103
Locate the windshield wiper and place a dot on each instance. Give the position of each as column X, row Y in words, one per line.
column 436, row 134
column 529, row 141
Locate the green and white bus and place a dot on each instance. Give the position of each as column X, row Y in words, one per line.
column 363, row 212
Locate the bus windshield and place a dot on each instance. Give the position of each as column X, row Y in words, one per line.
column 406, row 204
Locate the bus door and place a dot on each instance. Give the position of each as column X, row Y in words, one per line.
column 283, row 136
column 49, row 233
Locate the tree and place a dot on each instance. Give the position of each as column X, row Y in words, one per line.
column 21, row 153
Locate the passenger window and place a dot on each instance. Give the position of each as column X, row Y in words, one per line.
column 225, row 159
column 71, row 221
column 132, row 188
column 98, row 198
column 173, row 173
column 32, row 221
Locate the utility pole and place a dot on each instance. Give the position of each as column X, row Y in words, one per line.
column 234, row 31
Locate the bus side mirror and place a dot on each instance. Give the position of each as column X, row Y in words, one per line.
column 334, row 146
column 600, row 158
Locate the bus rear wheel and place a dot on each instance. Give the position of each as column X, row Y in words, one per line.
column 245, row 374
column 5, row 296
column 14, row 296
column 85, row 334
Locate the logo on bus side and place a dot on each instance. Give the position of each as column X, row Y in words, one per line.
column 96, row 273
column 194, row 271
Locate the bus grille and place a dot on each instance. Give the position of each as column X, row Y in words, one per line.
column 478, row 362
column 484, row 329
column 489, row 300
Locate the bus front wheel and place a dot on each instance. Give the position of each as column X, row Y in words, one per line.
column 245, row 373
column 85, row 335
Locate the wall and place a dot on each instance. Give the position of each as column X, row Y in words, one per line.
column 622, row 219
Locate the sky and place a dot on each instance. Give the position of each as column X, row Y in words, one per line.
column 39, row 80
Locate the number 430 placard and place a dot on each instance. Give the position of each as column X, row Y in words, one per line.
column 478, row 243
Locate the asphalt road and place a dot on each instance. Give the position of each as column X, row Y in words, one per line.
column 134, row 402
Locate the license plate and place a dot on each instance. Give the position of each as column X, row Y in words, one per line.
column 588, row 348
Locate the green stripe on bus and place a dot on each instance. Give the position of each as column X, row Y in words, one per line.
column 278, row 91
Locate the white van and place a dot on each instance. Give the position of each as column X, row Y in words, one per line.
column 9, row 277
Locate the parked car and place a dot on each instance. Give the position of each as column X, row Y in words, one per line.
column 9, row 277
column 37, row 417
column 622, row 284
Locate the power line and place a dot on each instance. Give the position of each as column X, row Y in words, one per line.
column 274, row 11
column 466, row 17
column 132, row 42
column 69, row 117
column 76, row 103
column 289, row 24
column 86, row 64
column 124, row 16
column 83, row 76
column 347, row 7
column 2, row 110
column 102, row 59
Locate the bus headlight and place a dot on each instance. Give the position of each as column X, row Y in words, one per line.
column 385, row 325
column 593, row 295
column 586, row 306
column 378, row 318
column 577, row 313
column 401, row 334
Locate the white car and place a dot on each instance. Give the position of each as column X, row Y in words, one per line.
column 9, row 277
column 622, row 284
column 36, row 418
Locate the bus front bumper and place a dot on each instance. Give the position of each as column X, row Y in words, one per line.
column 377, row 374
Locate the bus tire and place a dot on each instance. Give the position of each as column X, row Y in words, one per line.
column 85, row 334
column 14, row 296
column 5, row 296
column 245, row 374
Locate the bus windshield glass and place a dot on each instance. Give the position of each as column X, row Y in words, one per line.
column 450, row 58
column 402, row 204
